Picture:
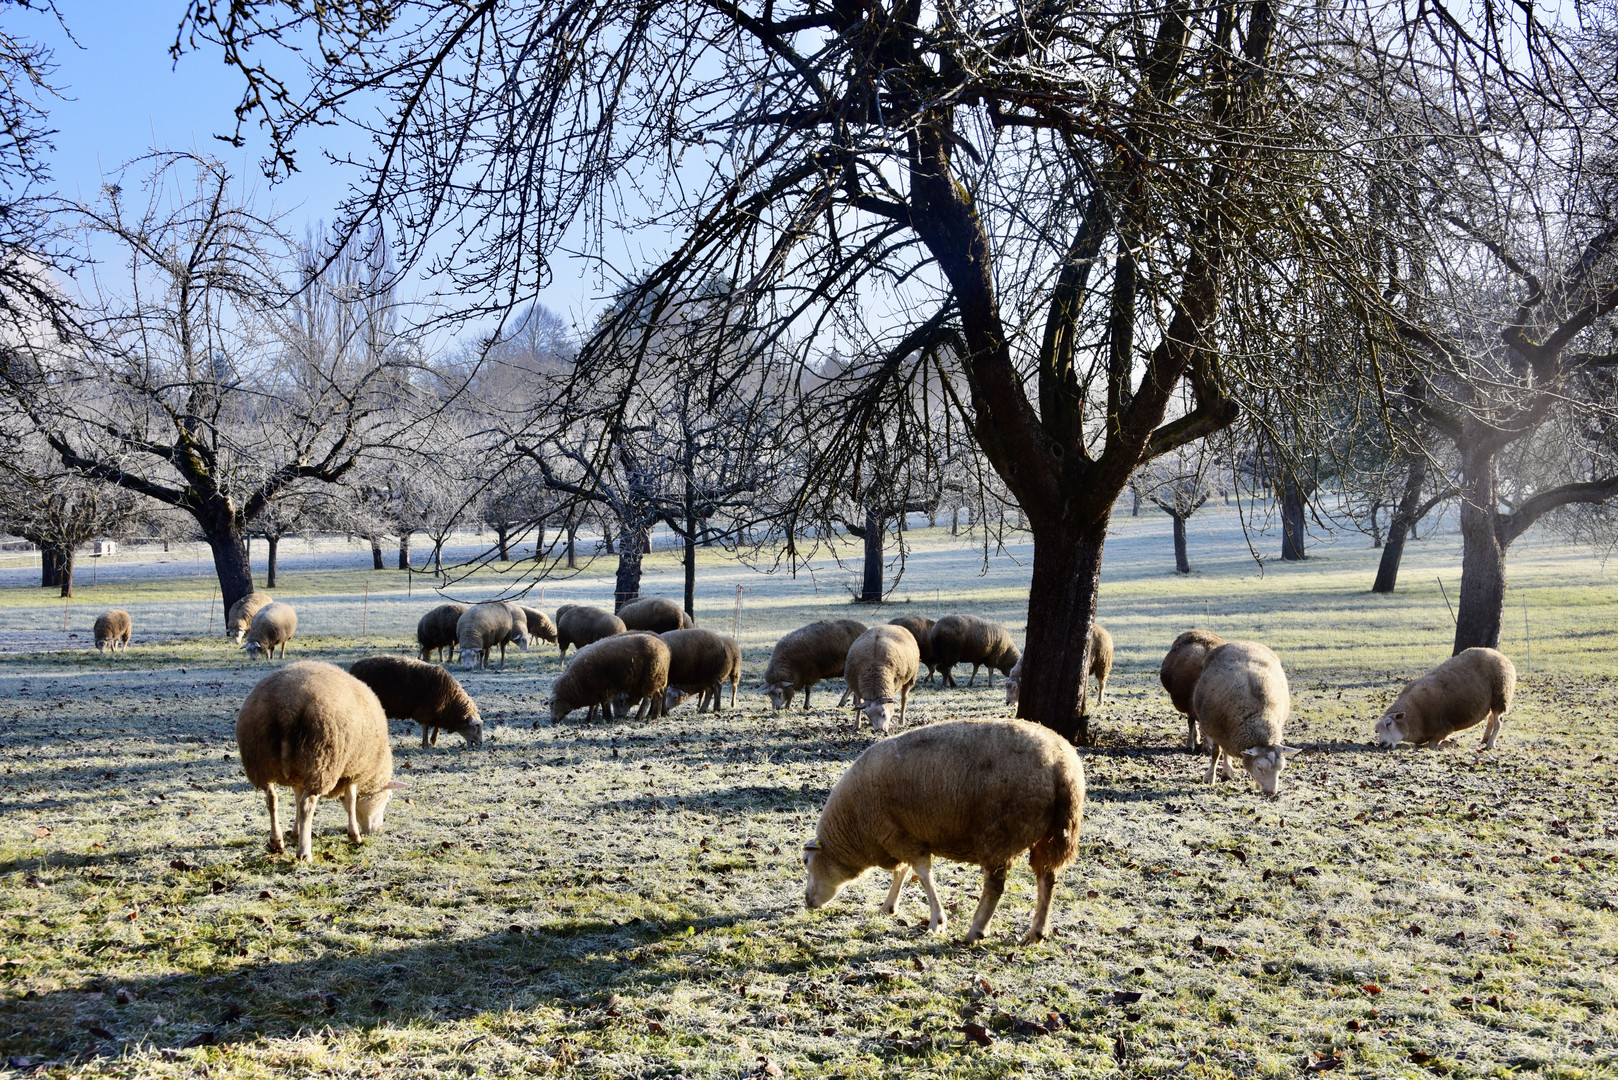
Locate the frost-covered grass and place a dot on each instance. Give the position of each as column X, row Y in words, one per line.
column 620, row 900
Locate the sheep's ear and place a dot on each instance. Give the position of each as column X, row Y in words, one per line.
column 1251, row 751
column 1398, row 716
column 1288, row 751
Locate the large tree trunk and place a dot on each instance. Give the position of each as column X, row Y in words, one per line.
column 1182, row 564
column 50, row 565
column 1061, row 609
column 404, row 551
column 64, row 569
column 376, row 552
column 229, row 546
column 1293, row 525
column 1403, row 521
column 871, row 581
column 1480, row 612
column 631, row 549
column 274, row 544
column 502, row 539
column 572, row 546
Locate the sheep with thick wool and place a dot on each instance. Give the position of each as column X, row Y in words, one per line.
column 1181, row 669
column 539, row 625
column 436, row 631
column 580, row 625
column 806, row 656
column 881, row 667
column 972, row 791
column 426, row 693
column 272, row 627
column 968, row 639
column 1241, row 703
column 701, row 662
column 112, row 630
column 1100, row 668
column 240, row 615
column 483, row 626
column 921, row 628
column 320, row 731
column 1471, row 687
column 632, row 665
column 654, row 615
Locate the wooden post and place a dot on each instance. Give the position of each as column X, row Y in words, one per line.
column 736, row 626
column 1446, row 599
column 365, row 612
column 212, row 600
column 1528, row 640
column 64, row 614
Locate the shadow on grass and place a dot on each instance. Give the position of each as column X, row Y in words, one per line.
column 750, row 797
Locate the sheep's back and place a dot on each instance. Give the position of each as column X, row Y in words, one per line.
column 881, row 661
column 636, row 664
column 811, row 653
column 698, row 658
column 112, row 625
column 273, row 624
column 241, row 613
column 437, row 628
column 921, row 629
column 314, row 726
column 411, row 690
column 1242, row 699
column 1457, row 694
column 655, row 614
column 583, row 625
column 482, row 625
column 1183, row 664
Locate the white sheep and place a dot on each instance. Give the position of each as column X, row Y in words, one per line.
column 320, row 731
column 1241, row 702
column 241, row 613
column 882, row 665
column 483, row 626
column 581, row 625
column 806, row 656
column 974, row 791
column 1473, row 686
column 273, row 626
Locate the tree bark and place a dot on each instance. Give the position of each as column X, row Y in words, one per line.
column 1293, row 525
column 229, row 547
column 1182, row 565
column 1480, row 611
column 50, row 566
column 1061, row 609
column 64, row 569
column 691, row 524
column 871, row 580
column 376, row 553
column 1401, row 525
column 1134, row 509
column 631, row 549
column 572, row 546
column 502, row 539
column 404, row 551
column 274, row 544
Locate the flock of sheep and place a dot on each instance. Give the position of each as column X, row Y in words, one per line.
column 973, row 791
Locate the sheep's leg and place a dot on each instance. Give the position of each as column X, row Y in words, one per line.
column 974, row 677
column 351, row 799
column 1101, row 689
column 806, row 696
column 435, row 736
column 277, row 845
column 990, row 670
column 994, row 884
column 923, row 869
column 590, row 716
column 847, row 690
column 1226, row 770
column 1192, row 743
column 502, row 656
column 904, row 699
column 1042, row 909
column 645, row 704
column 305, row 823
column 901, row 874
column 1213, row 763
column 1492, row 732
column 424, row 730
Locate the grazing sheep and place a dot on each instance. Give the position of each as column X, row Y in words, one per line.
column 579, row 625
column 483, row 626
column 882, row 663
column 1100, row 668
column 1470, row 687
column 426, row 693
column 634, row 665
column 1241, row 702
column 241, row 613
column 968, row 639
column 112, row 630
column 807, row 655
column 701, row 662
column 972, row 791
column 273, row 625
column 436, row 630
column 1181, row 669
column 539, row 624
column 655, row 615
column 922, row 628
column 320, row 731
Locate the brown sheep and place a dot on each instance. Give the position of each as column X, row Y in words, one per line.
column 1181, row 669
column 436, row 631
column 881, row 666
column 1470, row 687
column 655, row 615
column 972, row 791
column 1100, row 668
column 426, row 693
column 635, row 665
column 701, row 662
column 241, row 614
column 320, row 731
column 539, row 625
column 483, row 626
column 579, row 625
column 922, row 628
column 112, row 630
column 967, row 639
column 273, row 625
column 806, row 656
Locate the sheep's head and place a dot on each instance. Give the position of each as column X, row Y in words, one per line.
column 559, row 710
column 520, row 640
column 780, row 694
column 1390, row 730
column 470, row 657
column 1013, row 689
column 672, row 697
column 370, row 807
column 879, row 713
column 1265, row 763
column 1009, row 659
column 826, row 876
column 252, row 649
column 240, row 632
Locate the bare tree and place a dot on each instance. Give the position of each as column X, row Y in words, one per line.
column 59, row 511
column 1179, row 483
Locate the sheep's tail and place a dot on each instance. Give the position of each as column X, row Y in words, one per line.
column 1060, row 846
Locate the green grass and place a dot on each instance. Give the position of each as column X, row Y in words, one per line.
column 621, row 900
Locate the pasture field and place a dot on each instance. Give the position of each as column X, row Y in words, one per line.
column 624, row 900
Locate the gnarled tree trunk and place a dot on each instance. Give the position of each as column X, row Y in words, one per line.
column 1182, row 564
column 376, row 552
column 404, row 551
column 229, row 546
column 274, row 544
column 631, row 549
column 1293, row 526
column 1403, row 521
column 51, row 559
column 1061, row 609
column 871, row 579
column 1480, row 611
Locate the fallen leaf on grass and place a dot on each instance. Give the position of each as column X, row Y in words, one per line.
column 1122, row 997
column 654, row 1027
column 1372, row 988
column 766, row 1067
column 41, row 833
column 1325, row 1064
column 977, row 1033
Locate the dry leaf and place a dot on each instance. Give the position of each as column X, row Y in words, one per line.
column 977, row 1033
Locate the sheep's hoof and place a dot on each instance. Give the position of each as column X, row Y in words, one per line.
column 887, row 909
column 937, row 927
column 1033, row 936
column 277, row 846
column 973, row 936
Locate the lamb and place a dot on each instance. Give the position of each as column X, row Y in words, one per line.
column 807, row 655
column 921, row 628
column 436, row 630
column 968, row 639
column 273, row 625
column 1470, row 687
column 483, row 626
column 973, row 791
column 701, row 662
column 112, row 630
column 882, row 663
column 655, row 615
column 241, row 613
column 1241, row 702
column 1181, row 669
column 539, row 624
column 320, row 731
column 412, row 690
column 1100, row 668
column 579, row 625
column 635, row 665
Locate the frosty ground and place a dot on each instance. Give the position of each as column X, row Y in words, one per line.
column 625, row 900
